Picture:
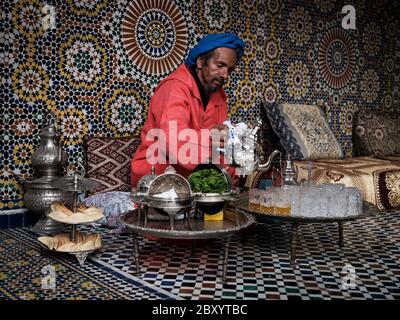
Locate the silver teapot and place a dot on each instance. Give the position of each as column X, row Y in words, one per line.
column 49, row 158
column 246, row 159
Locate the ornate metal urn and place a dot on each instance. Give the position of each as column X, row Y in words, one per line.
column 49, row 159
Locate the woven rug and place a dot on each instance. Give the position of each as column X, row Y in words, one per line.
column 259, row 268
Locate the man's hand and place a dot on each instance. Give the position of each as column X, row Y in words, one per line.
column 220, row 126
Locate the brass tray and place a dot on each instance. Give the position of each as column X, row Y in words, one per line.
column 194, row 228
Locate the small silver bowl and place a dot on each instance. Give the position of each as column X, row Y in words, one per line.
column 170, row 206
column 212, row 203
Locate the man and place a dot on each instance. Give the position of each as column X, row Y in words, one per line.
column 190, row 100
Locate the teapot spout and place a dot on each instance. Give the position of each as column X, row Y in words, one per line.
column 267, row 165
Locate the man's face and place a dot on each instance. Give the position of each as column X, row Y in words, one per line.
column 216, row 70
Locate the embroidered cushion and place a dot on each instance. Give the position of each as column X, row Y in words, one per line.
column 376, row 133
column 304, row 131
column 387, row 192
column 108, row 161
column 268, row 140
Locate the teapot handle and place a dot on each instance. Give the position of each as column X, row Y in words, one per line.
column 80, row 169
column 267, row 165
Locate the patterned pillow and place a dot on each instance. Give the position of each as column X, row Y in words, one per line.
column 269, row 141
column 376, row 133
column 387, row 191
column 108, row 161
column 304, row 131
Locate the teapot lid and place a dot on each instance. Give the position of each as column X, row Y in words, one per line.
column 50, row 128
column 49, row 131
column 145, row 181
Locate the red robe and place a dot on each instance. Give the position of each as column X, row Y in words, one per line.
column 177, row 98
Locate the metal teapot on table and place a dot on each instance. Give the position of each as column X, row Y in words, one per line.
column 252, row 160
column 246, row 159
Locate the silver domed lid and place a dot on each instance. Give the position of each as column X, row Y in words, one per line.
column 170, row 180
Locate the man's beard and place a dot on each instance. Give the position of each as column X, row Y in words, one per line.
column 209, row 88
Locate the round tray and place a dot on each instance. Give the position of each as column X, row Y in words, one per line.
column 76, row 252
column 243, row 204
column 72, row 252
column 65, row 221
column 199, row 229
column 80, row 255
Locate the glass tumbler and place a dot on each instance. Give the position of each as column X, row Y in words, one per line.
column 283, row 202
column 255, row 199
column 267, row 201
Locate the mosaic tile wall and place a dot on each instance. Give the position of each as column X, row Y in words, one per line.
column 97, row 68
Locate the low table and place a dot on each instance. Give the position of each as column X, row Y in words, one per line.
column 243, row 206
column 192, row 229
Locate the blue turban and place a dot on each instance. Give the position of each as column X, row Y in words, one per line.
column 213, row 41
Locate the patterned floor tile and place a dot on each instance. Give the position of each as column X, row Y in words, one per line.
column 258, row 263
column 21, row 274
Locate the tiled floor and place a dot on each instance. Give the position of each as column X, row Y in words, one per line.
column 258, row 263
column 24, row 267
column 259, row 266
